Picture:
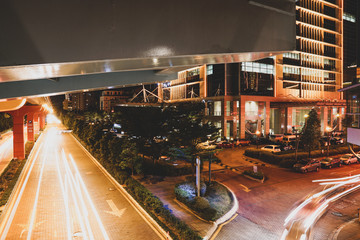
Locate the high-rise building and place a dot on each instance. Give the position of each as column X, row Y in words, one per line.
column 81, row 101
column 274, row 94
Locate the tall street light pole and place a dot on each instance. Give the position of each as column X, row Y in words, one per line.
column 328, row 129
column 257, row 138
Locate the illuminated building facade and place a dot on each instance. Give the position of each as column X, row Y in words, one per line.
column 110, row 98
column 272, row 95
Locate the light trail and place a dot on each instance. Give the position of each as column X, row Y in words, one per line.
column 6, row 146
column 65, row 197
column 79, row 195
column 18, row 198
column 310, row 210
column 81, row 216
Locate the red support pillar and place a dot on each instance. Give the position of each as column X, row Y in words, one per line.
column 18, row 134
column 36, row 123
column 18, row 128
column 42, row 121
column 30, row 126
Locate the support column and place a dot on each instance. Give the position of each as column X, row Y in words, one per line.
column 30, row 126
column 288, row 127
column 36, row 123
column 18, row 134
column 42, row 121
column 325, row 120
column 160, row 93
column 242, row 118
column 267, row 118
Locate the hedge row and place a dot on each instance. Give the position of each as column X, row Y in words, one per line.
column 13, row 164
column 287, row 160
column 9, row 177
column 165, row 169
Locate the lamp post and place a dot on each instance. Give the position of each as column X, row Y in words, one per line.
column 328, row 130
column 257, row 138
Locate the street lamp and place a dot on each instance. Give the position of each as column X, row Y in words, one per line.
column 257, row 138
column 328, row 130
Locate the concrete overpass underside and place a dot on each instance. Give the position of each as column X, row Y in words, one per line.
column 52, row 47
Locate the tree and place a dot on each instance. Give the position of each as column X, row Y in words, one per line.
column 146, row 127
column 311, row 133
column 186, row 126
column 5, row 122
column 129, row 157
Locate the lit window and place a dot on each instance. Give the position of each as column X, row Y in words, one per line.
column 209, row 69
column 349, row 17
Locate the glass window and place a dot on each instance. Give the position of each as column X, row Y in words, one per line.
column 217, row 108
column 349, row 17
column 209, row 69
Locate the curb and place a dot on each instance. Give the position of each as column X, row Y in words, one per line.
column 227, row 216
column 254, row 179
column 148, row 219
column 191, row 211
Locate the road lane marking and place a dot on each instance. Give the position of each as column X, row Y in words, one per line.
column 65, row 196
column 245, row 188
column 88, row 198
column 70, row 181
column 115, row 211
column 13, row 210
column 33, row 213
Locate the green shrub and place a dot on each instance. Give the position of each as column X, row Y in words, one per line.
column 287, row 158
column 200, row 203
column 215, row 203
column 11, row 185
column 251, row 173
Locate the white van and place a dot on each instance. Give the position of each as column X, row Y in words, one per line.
column 289, row 139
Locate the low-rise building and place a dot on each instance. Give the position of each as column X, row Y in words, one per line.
column 110, row 98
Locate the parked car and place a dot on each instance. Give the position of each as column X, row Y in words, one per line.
column 206, row 145
column 289, row 139
column 348, row 159
column 336, row 140
column 307, row 165
column 224, row 144
column 287, row 147
column 271, row 148
column 276, row 137
column 243, row 142
column 330, row 162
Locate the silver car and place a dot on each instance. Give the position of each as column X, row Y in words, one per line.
column 348, row 159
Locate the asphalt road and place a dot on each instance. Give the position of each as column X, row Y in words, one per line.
column 64, row 195
column 263, row 207
column 6, row 150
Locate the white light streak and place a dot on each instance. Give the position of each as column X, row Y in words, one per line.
column 318, row 203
